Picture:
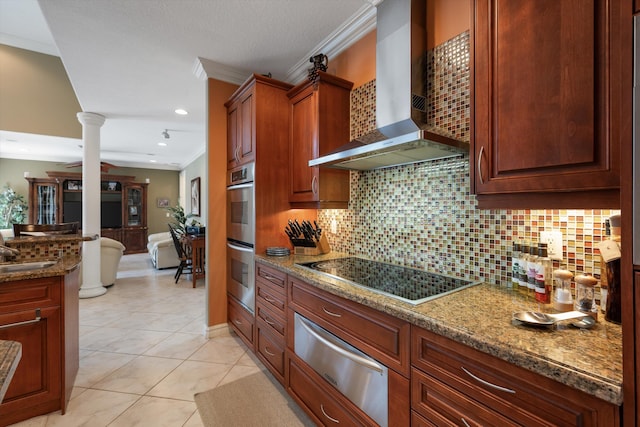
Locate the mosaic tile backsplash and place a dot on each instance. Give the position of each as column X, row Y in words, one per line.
column 423, row 216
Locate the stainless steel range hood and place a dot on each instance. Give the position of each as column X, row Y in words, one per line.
column 403, row 135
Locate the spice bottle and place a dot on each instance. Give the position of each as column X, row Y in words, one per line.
column 543, row 275
column 523, row 263
column 585, row 295
column 515, row 271
column 532, row 267
column 562, row 300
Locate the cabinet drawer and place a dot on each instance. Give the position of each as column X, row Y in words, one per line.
column 270, row 295
column 276, row 323
column 271, row 275
column 383, row 337
column 327, row 406
column 27, row 294
column 241, row 320
column 444, row 405
column 271, row 349
column 522, row 396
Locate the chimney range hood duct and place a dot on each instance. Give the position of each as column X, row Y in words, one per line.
column 402, row 136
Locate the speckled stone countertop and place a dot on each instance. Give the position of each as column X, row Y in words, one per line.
column 589, row 360
column 10, row 354
column 62, row 267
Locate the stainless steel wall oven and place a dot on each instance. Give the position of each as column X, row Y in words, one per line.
column 241, row 235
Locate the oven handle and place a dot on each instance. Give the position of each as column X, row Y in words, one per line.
column 346, row 353
column 240, row 186
column 239, row 248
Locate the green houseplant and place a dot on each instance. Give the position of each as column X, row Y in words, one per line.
column 13, row 208
column 179, row 218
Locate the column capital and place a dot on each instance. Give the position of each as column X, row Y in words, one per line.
column 91, row 119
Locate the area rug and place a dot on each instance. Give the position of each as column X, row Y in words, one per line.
column 256, row 400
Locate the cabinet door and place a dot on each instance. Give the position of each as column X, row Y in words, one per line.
column 36, row 385
column 304, row 146
column 547, row 97
column 45, row 203
column 134, row 215
column 134, row 239
column 233, row 135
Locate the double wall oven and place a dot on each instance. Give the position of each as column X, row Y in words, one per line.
column 241, row 220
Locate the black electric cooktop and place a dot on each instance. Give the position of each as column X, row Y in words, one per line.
column 407, row 284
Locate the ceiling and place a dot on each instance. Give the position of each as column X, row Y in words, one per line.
column 136, row 61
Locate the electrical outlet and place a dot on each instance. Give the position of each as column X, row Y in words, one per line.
column 553, row 239
column 334, row 226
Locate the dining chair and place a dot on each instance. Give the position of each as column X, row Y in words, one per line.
column 185, row 266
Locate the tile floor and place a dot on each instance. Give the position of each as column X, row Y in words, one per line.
column 143, row 354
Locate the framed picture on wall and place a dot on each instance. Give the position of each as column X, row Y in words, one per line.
column 195, row 196
column 163, row 202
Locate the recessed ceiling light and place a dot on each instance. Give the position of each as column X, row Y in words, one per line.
column 162, row 144
column 152, row 161
column 181, row 111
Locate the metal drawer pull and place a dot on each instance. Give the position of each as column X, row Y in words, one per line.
column 26, row 322
column 271, row 278
column 266, row 350
column 487, row 383
column 237, row 322
column 325, row 414
column 270, row 300
column 465, row 422
column 480, row 164
column 314, row 185
column 330, row 313
column 269, row 322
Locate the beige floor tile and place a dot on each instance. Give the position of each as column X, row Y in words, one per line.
column 93, row 408
column 139, row 375
column 177, row 346
column 239, row 371
column 220, row 350
column 156, row 412
column 119, row 340
column 194, row 421
column 98, row 365
column 189, row 378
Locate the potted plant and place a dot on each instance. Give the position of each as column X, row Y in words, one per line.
column 13, row 208
column 179, row 218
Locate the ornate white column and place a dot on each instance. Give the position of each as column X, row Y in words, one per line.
column 91, row 123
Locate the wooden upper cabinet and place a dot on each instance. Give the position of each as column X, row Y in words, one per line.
column 241, row 128
column 319, row 125
column 551, row 102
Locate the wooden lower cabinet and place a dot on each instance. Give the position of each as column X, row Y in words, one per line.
column 454, row 384
column 41, row 314
column 134, row 239
column 241, row 320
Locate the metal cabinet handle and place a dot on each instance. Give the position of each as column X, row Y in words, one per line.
column 26, row 322
column 266, row 350
column 269, row 322
column 480, row 164
column 465, row 422
column 237, row 154
column 270, row 278
column 269, row 300
column 328, row 417
column 314, row 185
column 487, row 383
column 237, row 322
column 331, row 313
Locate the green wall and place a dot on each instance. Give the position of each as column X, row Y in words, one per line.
column 162, row 184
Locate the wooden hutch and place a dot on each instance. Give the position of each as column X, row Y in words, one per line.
column 123, row 205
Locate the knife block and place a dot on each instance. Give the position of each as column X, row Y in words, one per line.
column 322, row 247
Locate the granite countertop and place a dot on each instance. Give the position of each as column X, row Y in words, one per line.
column 44, row 237
column 10, row 354
column 62, row 267
column 589, row 360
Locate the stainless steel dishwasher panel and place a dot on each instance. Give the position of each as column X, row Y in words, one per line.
column 360, row 378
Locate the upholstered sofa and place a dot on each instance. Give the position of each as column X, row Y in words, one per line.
column 162, row 250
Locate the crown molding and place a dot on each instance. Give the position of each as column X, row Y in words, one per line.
column 352, row 30
column 360, row 24
column 205, row 68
